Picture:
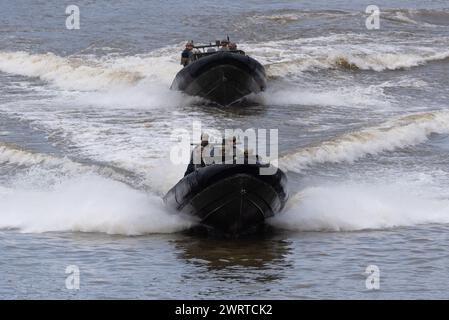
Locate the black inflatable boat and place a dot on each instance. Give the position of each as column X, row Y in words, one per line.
column 229, row 199
column 223, row 77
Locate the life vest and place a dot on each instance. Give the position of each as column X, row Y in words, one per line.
column 186, row 54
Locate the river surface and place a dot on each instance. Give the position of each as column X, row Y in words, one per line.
column 86, row 123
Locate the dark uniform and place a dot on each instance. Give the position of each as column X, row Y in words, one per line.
column 186, row 55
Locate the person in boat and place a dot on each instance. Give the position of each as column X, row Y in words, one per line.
column 234, row 148
column 187, row 54
column 224, row 45
column 227, row 150
column 232, row 46
column 200, row 155
column 250, row 158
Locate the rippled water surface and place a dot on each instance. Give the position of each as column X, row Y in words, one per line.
column 86, row 118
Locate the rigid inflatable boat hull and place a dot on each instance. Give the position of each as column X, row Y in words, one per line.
column 222, row 77
column 229, row 199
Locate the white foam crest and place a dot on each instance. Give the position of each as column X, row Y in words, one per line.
column 351, row 206
column 140, row 81
column 376, row 61
column 88, row 203
column 354, row 97
column 282, row 58
column 158, row 66
column 403, row 132
column 391, row 61
column 12, row 155
column 67, row 73
column 287, row 17
column 402, row 17
column 415, row 17
column 87, row 73
column 348, row 51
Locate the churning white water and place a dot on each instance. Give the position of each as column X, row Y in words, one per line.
column 86, row 119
